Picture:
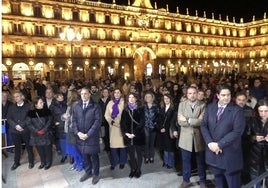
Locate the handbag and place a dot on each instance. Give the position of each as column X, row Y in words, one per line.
column 171, row 133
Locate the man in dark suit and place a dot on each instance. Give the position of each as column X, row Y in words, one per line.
column 222, row 127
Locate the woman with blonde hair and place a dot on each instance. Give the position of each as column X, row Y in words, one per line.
column 150, row 110
column 71, row 149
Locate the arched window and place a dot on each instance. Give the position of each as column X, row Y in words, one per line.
column 149, row 69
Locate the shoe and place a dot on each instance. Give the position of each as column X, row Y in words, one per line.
column 122, row 166
column 184, row 184
column 163, row 165
column 151, row 160
column 14, row 166
column 179, row 173
column 71, row 160
column 169, row 167
column 31, row 165
column 132, row 173
column 85, row 177
column 95, row 180
column 203, row 185
column 47, row 167
column 111, row 168
column 138, row 174
column 63, row 159
column 146, row 160
column 41, row 166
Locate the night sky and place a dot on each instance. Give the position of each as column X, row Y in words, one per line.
column 233, row 8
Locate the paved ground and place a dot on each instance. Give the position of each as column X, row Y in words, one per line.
column 61, row 175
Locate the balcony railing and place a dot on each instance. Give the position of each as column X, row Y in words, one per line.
column 261, row 179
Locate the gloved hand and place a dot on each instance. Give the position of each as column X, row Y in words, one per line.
column 41, row 132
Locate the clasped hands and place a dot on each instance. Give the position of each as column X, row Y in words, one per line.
column 19, row 128
column 214, row 147
column 82, row 136
column 262, row 138
column 130, row 135
column 41, row 132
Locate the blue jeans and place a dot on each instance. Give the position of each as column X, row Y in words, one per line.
column 186, row 165
column 169, row 158
column 62, row 143
column 118, row 156
column 91, row 162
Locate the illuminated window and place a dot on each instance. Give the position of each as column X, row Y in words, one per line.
column 149, row 69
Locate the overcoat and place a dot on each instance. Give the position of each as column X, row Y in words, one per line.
column 227, row 132
column 87, row 121
column 190, row 133
column 116, row 138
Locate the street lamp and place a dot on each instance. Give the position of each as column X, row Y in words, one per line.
column 70, row 35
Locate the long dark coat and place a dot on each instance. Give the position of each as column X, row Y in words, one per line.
column 87, row 121
column 227, row 133
column 166, row 120
column 127, row 125
column 36, row 124
column 258, row 156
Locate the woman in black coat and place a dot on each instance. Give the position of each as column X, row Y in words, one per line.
column 166, row 120
column 258, row 156
column 133, row 134
column 58, row 109
column 39, row 122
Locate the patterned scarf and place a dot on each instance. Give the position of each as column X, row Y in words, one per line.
column 115, row 109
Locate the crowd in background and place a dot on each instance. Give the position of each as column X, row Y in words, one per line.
column 138, row 118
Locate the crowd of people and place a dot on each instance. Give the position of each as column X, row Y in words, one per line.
column 194, row 124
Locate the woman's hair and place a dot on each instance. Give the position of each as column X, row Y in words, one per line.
column 262, row 102
column 35, row 101
column 162, row 103
column 136, row 97
column 149, row 93
column 72, row 97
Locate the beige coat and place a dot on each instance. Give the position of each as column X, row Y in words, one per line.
column 190, row 130
column 116, row 138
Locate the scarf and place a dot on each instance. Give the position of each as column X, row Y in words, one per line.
column 132, row 106
column 115, row 109
column 60, row 104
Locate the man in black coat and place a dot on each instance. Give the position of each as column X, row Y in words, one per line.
column 16, row 118
column 87, row 119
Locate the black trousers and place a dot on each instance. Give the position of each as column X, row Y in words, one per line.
column 18, row 139
column 45, row 153
column 135, row 157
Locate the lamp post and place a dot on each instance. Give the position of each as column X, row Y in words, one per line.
column 70, row 35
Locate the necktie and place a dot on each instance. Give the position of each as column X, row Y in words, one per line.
column 219, row 113
column 84, row 106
